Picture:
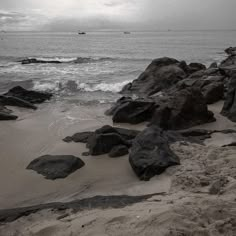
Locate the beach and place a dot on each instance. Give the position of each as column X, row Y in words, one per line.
column 181, row 182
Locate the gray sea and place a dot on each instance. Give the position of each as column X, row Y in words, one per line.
column 97, row 65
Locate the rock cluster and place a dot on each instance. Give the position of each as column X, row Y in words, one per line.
column 20, row 97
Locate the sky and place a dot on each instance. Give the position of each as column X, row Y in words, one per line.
column 73, row 15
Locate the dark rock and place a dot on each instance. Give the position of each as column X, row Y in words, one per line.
column 7, row 116
column 119, row 151
column 161, row 74
column 54, row 167
column 229, row 108
column 213, row 92
column 83, row 137
column 28, row 95
column 184, row 109
column 134, row 112
column 213, row 65
column 99, row 144
column 231, row 51
column 118, row 104
column 36, row 61
column 14, row 101
column 78, row 137
column 194, row 67
column 150, row 154
column 126, row 134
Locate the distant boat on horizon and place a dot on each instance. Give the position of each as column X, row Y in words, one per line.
column 127, row 32
column 81, row 32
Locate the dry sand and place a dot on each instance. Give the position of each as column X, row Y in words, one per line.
column 200, row 193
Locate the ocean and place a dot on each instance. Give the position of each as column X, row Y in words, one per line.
column 97, row 65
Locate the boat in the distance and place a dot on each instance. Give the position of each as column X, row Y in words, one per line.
column 81, row 32
column 127, row 32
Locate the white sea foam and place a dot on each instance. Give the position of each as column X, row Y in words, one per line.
column 105, row 87
column 61, row 59
column 46, row 86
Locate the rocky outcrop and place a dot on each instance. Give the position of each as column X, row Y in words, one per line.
column 37, row 61
column 150, row 154
column 20, row 97
column 29, row 96
column 55, row 167
column 161, row 74
column 183, row 109
column 229, row 108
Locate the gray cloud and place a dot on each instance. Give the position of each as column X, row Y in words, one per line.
column 61, row 15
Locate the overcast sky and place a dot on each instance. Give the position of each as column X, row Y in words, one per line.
column 70, row 15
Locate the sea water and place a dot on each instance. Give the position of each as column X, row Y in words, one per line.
column 95, row 66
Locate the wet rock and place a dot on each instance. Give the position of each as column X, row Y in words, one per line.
column 161, row 74
column 36, row 61
column 231, row 51
column 134, row 111
column 55, row 167
column 184, row 109
column 78, row 137
column 29, row 96
column 150, row 154
column 229, row 108
column 194, row 67
column 14, row 101
column 99, row 144
column 119, row 151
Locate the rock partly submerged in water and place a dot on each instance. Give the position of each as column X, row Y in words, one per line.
column 55, row 167
column 151, row 154
column 20, row 97
column 5, row 114
column 37, row 61
column 30, row 96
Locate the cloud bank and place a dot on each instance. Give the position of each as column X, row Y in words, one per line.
column 71, row 15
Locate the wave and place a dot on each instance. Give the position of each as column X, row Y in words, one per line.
column 74, row 86
column 104, row 87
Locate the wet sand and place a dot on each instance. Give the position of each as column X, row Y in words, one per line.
column 41, row 132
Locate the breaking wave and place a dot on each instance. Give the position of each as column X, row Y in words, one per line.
column 74, row 86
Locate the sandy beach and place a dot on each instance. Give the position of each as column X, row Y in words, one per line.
column 184, row 205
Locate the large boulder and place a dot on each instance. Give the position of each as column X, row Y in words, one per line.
column 150, row 154
column 183, row 109
column 134, row 111
column 55, row 167
column 161, row 74
column 28, row 95
column 229, row 108
column 99, row 144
